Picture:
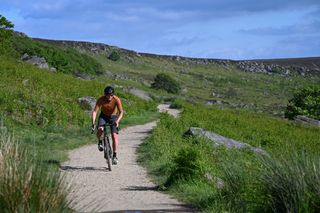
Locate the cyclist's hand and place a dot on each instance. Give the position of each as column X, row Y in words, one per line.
column 93, row 128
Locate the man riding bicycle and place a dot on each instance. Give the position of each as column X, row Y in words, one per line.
column 108, row 104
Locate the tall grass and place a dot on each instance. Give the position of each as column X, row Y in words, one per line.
column 292, row 184
column 26, row 185
column 218, row 180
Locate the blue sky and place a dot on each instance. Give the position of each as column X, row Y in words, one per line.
column 228, row 29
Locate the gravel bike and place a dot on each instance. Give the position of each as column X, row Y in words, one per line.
column 107, row 150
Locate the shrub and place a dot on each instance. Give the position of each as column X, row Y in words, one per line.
column 114, row 56
column 167, row 83
column 188, row 164
column 305, row 102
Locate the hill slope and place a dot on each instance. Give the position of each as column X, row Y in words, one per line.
column 256, row 85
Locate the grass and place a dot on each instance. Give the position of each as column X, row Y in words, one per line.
column 64, row 60
column 217, row 180
column 25, row 184
column 37, row 97
column 292, row 183
column 255, row 91
column 41, row 109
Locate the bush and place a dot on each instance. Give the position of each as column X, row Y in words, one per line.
column 114, row 56
column 188, row 164
column 305, row 102
column 167, row 83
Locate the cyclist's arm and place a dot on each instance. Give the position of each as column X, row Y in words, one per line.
column 94, row 113
column 119, row 106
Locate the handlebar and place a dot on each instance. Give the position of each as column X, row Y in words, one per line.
column 94, row 127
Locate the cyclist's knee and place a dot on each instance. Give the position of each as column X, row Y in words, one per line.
column 100, row 131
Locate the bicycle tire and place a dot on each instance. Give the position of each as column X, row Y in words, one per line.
column 106, row 149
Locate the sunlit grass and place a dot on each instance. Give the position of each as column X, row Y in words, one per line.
column 217, row 180
column 26, row 184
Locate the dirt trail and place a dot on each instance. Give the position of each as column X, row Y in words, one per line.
column 126, row 188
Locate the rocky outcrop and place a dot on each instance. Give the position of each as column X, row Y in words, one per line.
column 300, row 66
column 269, row 68
column 218, row 140
column 306, row 120
column 218, row 102
column 37, row 61
column 20, row 34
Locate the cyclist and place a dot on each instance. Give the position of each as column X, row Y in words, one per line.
column 109, row 105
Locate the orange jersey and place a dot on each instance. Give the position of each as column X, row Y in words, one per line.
column 109, row 107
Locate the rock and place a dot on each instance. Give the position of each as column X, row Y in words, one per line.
column 211, row 102
column 139, row 93
column 83, row 76
column 208, row 177
column 37, row 61
column 219, row 183
column 219, row 140
column 306, row 120
column 25, row 82
column 52, row 69
column 20, row 34
column 25, row 57
column 87, row 103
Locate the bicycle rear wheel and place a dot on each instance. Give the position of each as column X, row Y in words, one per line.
column 107, row 152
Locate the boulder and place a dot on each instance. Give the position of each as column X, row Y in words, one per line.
column 306, row 120
column 83, row 76
column 87, row 103
column 139, row 93
column 218, row 140
column 37, row 61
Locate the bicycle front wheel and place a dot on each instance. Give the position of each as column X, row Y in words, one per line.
column 107, row 153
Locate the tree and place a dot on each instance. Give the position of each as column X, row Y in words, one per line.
column 165, row 82
column 114, row 56
column 305, row 102
column 5, row 35
column 5, row 28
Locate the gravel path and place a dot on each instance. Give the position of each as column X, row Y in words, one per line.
column 126, row 188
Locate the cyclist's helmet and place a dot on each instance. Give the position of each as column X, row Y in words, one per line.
column 109, row 90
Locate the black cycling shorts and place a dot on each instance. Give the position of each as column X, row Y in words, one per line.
column 103, row 119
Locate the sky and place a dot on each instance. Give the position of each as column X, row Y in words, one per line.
column 225, row 29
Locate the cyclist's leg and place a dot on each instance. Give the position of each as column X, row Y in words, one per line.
column 114, row 135
column 102, row 121
column 100, row 132
column 115, row 142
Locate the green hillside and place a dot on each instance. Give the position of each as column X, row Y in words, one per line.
column 41, row 119
column 203, row 81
